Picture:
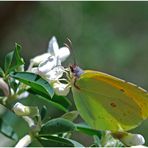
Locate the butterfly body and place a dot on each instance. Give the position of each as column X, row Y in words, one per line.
column 108, row 103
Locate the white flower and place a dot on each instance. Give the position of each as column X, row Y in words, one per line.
column 61, row 89
column 133, row 139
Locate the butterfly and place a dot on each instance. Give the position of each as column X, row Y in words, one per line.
column 106, row 102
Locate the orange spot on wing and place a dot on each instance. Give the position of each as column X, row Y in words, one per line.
column 122, row 90
column 113, row 104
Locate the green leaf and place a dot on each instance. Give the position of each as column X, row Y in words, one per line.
column 43, row 112
column 87, row 130
column 35, row 143
column 7, row 130
column 54, row 110
column 13, row 59
column 1, row 72
column 54, row 101
column 57, row 126
column 62, row 100
column 11, row 125
column 71, row 115
column 36, row 82
column 53, row 141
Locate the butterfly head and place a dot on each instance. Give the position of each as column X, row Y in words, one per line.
column 76, row 70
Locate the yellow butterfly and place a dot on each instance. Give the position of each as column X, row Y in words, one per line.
column 106, row 102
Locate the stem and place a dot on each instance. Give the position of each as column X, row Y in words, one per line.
column 29, row 121
column 24, row 142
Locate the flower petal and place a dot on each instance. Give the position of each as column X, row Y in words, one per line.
column 63, row 53
column 48, row 65
column 38, row 59
column 53, row 47
column 55, row 73
column 61, row 89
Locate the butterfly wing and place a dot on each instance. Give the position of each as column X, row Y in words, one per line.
column 108, row 103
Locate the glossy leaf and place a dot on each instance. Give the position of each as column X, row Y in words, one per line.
column 43, row 112
column 1, row 72
column 36, row 82
column 54, row 110
column 13, row 59
column 71, row 115
column 35, row 143
column 57, row 126
column 7, row 130
column 9, row 124
column 55, row 103
column 62, row 100
column 53, row 141
column 87, row 130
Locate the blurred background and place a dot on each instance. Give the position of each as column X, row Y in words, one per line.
column 107, row 36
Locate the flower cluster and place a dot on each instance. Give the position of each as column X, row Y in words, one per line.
column 50, row 68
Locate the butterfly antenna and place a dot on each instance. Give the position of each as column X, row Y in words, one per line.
column 69, row 45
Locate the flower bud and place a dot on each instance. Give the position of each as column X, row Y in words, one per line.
column 22, row 110
column 130, row 139
column 61, row 89
column 24, row 142
column 4, row 87
column 133, row 139
column 23, row 95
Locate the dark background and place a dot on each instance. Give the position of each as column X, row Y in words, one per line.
column 107, row 36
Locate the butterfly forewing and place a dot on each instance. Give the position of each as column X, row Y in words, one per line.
column 108, row 103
